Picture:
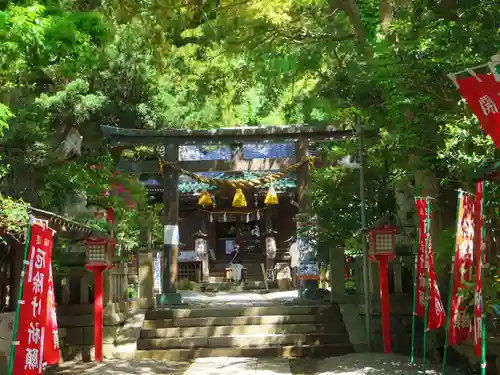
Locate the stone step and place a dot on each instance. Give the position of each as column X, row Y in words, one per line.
column 247, row 284
column 232, row 311
column 287, row 351
column 229, row 321
column 244, row 341
column 229, row 330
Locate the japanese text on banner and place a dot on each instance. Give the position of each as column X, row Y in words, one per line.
column 483, row 97
column 51, row 354
column 460, row 327
column 31, row 333
column 436, row 315
column 480, row 259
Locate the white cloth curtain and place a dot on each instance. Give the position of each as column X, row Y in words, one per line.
column 294, row 255
column 236, row 271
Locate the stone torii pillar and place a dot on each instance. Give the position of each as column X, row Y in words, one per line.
column 171, row 242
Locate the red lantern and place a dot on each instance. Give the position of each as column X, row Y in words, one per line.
column 98, row 259
column 382, row 241
column 98, row 252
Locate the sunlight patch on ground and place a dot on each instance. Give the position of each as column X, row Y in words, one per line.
column 116, row 367
column 239, row 366
column 374, row 364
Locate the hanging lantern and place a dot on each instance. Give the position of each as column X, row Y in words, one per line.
column 271, row 196
column 239, row 199
column 205, row 199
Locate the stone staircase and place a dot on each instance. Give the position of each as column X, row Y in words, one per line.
column 277, row 330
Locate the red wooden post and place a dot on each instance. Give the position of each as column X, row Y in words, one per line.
column 98, row 260
column 383, row 262
column 382, row 245
column 98, row 309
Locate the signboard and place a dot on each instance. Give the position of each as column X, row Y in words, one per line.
column 157, row 271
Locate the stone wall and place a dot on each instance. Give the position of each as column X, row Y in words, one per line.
column 6, row 328
column 77, row 328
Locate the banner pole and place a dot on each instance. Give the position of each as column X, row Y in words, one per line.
column 450, row 290
column 19, row 296
column 414, row 317
column 483, row 275
column 426, row 313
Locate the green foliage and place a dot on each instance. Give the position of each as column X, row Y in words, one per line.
column 13, row 218
column 148, row 64
column 491, row 292
column 5, row 115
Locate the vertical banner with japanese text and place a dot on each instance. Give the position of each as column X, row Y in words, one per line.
column 436, row 315
column 460, row 327
column 480, row 262
column 482, row 95
column 51, row 354
column 31, row 332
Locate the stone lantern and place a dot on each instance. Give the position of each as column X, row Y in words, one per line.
column 201, row 250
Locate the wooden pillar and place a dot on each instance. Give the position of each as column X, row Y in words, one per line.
column 304, row 199
column 17, row 256
column 205, row 271
column 171, row 229
column 267, row 229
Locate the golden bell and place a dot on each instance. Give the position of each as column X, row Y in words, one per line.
column 205, row 199
column 271, row 197
column 239, row 199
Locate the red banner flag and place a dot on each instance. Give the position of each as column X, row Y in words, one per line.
column 31, row 332
column 482, row 94
column 436, row 315
column 480, row 261
column 51, row 354
column 460, row 328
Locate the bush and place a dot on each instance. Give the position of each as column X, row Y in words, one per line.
column 186, row 285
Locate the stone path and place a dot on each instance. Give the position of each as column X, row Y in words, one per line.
column 117, row 367
column 239, row 366
column 201, row 366
column 351, row 364
column 237, row 298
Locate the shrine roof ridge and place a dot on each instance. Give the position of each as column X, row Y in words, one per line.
column 125, row 136
column 65, row 224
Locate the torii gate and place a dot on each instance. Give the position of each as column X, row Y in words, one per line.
column 172, row 138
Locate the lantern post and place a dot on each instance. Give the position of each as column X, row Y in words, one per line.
column 201, row 249
column 99, row 255
column 382, row 244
